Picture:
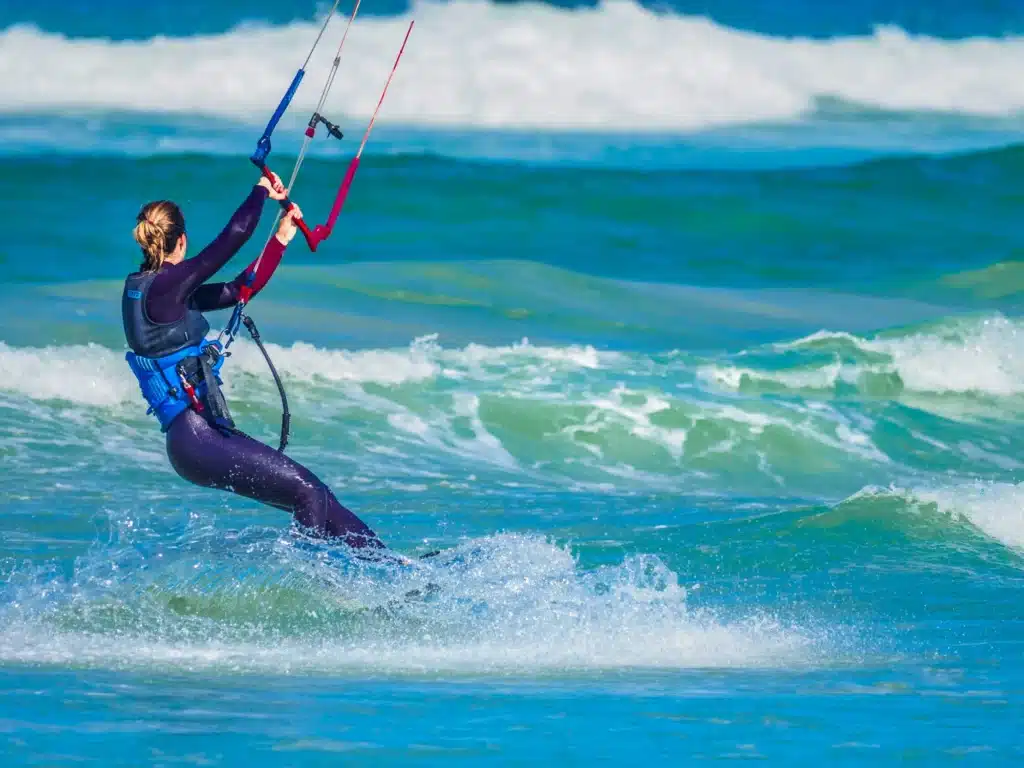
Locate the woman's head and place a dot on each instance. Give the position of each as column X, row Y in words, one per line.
column 159, row 231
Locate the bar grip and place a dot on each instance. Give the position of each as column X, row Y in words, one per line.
column 259, row 157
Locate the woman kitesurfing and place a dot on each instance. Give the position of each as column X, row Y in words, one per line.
column 162, row 307
column 178, row 368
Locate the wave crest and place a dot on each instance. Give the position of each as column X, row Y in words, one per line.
column 616, row 66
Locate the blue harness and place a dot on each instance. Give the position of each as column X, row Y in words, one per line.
column 188, row 376
column 165, row 385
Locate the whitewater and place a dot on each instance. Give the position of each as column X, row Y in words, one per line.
column 614, row 67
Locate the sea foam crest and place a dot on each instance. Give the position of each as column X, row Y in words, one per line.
column 970, row 355
column 94, row 375
column 996, row 509
column 616, row 66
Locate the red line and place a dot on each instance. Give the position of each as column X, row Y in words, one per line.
column 388, row 83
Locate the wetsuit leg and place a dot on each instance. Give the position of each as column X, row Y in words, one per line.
column 206, row 457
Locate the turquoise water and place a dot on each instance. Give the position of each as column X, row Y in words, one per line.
column 718, row 425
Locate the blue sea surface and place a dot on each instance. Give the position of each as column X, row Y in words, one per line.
column 122, row 19
column 690, row 334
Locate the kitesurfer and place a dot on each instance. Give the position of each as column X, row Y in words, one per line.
column 178, row 368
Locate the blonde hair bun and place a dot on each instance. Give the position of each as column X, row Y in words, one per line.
column 158, row 227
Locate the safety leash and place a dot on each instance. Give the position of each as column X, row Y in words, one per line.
column 286, row 416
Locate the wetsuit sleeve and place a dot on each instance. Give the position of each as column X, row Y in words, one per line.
column 223, row 295
column 172, row 287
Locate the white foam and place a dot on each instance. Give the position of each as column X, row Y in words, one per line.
column 98, row 376
column 574, row 355
column 983, row 356
column 304, row 362
column 587, row 412
column 82, row 374
column 733, row 377
column 444, row 430
column 755, row 643
column 616, row 66
column 816, row 425
column 424, row 359
column 976, row 356
column 995, row 508
column 634, row 410
column 506, row 603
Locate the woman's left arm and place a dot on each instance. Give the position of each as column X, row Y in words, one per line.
column 211, row 296
column 223, row 295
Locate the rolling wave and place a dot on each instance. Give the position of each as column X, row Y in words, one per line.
column 526, row 66
column 828, row 413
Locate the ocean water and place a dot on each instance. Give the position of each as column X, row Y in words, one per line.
column 691, row 335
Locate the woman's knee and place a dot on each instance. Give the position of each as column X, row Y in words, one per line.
column 312, row 503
